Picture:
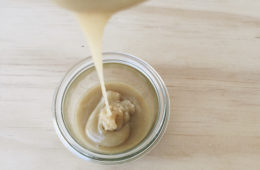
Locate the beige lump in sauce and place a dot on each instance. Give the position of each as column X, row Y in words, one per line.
column 110, row 129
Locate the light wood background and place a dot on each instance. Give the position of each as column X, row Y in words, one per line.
column 207, row 51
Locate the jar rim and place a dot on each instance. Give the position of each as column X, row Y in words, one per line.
column 147, row 143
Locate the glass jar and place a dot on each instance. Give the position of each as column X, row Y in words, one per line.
column 65, row 103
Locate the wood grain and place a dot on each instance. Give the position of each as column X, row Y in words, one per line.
column 208, row 53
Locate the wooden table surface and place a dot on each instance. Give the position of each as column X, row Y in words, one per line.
column 207, row 52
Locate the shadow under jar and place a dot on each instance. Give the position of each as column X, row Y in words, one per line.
column 79, row 93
